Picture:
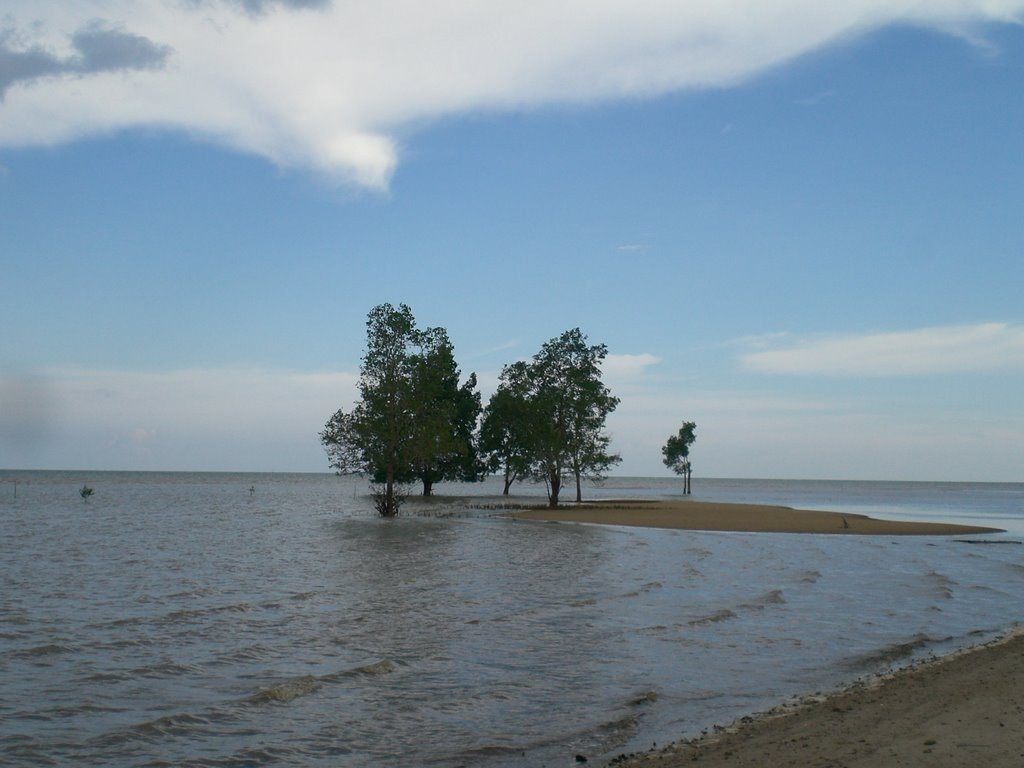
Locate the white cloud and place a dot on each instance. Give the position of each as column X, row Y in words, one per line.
column 330, row 85
column 618, row 368
column 940, row 349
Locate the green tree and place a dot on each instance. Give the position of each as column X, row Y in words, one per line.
column 505, row 428
column 589, row 401
column 676, row 452
column 413, row 419
column 445, row 415
column 562, row 405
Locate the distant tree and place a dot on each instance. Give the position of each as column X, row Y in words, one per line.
column 549, row 417
column 413, row 420
column 676, row 452
column 505, row 429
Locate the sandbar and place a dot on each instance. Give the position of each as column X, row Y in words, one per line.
column 756, row 518
column 965, row 709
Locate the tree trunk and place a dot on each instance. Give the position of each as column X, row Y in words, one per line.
column 556, row 486
column 428, row 487
column 579, row 492
column 389, row 493
column 508, row 483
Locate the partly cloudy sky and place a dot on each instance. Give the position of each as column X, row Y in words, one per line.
column 796, row 223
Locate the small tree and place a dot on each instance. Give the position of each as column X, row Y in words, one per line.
column 676, row 452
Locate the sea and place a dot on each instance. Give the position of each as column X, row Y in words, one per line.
column 217, row 619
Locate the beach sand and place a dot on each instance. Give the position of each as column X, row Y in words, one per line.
column 714, row 516
column 962, row 710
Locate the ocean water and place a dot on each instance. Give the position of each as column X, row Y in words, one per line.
column 182, row 619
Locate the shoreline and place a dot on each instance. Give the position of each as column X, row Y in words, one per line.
column 749, row 518
column 962, row 708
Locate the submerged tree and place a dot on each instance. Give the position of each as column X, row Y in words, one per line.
column 413, row 420
column 676, row 452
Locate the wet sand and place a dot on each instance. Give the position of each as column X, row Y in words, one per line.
column 966, row 709
column 714, row 516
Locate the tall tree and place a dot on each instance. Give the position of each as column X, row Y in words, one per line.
column 590, row 402
column 565, row 405
column 676, row 452
column 413, row 419
column 443, row 445
column 375, row 436
column 505, row 428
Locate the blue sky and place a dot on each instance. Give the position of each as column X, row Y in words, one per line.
column 808, row 241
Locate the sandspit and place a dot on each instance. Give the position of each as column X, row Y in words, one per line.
column 714, row 516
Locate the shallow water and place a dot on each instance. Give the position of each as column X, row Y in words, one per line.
column 180, row 619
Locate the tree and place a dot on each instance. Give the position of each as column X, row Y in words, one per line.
column 547, row 417
column 505, row 428
column 413, row 420
column 676, row 452
column 442, row 444
column 570, row 372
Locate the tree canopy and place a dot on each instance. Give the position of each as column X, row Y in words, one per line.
column 413, row 419
column 546, row 419
column 676, row 452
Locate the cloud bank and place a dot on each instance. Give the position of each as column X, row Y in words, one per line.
column 331, row 86
column 941, row 349
column 223, row 419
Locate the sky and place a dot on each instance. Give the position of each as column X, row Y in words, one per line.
column 795, row 223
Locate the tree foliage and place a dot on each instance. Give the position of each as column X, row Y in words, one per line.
column 505, row 428
column 413, row 419
column 546, row 419
column 676, row 452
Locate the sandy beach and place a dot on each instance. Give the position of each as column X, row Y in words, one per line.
column 715, row 516
column 966, row 709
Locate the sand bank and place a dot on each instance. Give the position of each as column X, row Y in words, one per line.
column 962, row 710
column 714, row 516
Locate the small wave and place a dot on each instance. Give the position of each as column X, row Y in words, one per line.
column 645, row 588
column 382, row 667
column 250, row 653
column 170, row 725
column 647, row 697
column 724, row 615
column 196, row 613
column 657, row 629
column 810, row 577
column 287, row 691
column 607, row 736
column 941, row 583
column 106, row 677
column 165, row 669
column 763, row 601
column 50, row 649
column 302, row 596
column 890, row 654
